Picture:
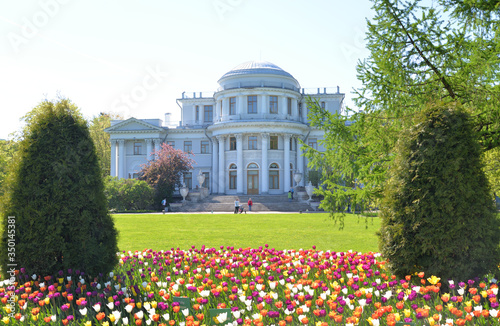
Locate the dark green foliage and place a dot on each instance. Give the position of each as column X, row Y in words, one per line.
column 438, row 214
column 128, row 194
column 56, row 194
column 7, row 151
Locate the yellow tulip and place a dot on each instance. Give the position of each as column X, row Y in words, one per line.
column 154, row 304
column 112, row 318
column 47, row 300
column 139, row 305
column 433, row 280
column 407, row 313
column 88, row 323
column 110, row 299
column 6, row 320
column 431, row 321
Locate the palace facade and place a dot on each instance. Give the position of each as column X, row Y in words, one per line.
column 244, row 136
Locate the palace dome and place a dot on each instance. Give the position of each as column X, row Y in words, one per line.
column 256, row 68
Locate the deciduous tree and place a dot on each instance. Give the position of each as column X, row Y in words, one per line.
column 448, row 51
column 164, row 172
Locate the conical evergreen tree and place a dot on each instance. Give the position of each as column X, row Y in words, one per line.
column 55, row 198
column 438, row 214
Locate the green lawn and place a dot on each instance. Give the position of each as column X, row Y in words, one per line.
column 280, row 231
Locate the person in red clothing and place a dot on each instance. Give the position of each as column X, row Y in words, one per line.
column 250, row 203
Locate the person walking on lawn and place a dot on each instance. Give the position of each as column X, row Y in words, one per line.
column 250, row 203
column 236, row 205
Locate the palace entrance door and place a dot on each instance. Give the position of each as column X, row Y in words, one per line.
column 253, row 182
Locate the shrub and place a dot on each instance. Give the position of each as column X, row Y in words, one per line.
column 128, row 194
column 437, row 214
column 55, row 194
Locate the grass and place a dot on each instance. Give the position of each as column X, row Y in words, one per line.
column 280, row 231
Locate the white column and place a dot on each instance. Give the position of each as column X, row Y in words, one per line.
column 225, row 107
column 241, row 105
column 262, row 105
column 286, row 170
column 113, row 158
column 157, row 143
column 283, row 105
column 300, row 161
column 222, row 163
column 121, row 158
column 215, row 165
column 265, row 164
column 239, row 163
column 149, row 149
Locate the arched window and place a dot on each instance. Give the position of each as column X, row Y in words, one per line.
column 252, row 166
column 233, row 176
column 274, row 176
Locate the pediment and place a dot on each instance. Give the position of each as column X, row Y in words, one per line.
column 133, row 125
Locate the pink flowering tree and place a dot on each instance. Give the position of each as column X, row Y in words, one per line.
column 164, row 172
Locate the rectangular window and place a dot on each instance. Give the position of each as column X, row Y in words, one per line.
column 232, row 105
column 274, row 179
column 313, row 142
column 232, row 143
column 291, row 143
column 137, row 148
column 323, row 105
column 188, row 180
column 273, row 104
column 204, row 146
column 208, row 113
column 289, row 105
column 232, row 179
column 197, row 115
column 188, row 146
column 273, row 142
column 300, row 110
column 252, row 104
column 252, row 142
column 171, row 143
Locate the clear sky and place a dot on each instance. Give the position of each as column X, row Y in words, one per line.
column 136, row 58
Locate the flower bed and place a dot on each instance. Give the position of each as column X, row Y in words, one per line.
column 260, row 286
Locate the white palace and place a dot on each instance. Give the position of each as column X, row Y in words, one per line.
column 243, row 136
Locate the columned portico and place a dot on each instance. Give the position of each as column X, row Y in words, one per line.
column 222, row 160
column 121, row 158
column 113, row 157
column 286, row 161
column 239, row 163
column 215, row 165
column 265, row 164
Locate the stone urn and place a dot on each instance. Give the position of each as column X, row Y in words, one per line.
column 309, row 190
column 201, row 179
column 297, row 177
column 184, row 192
